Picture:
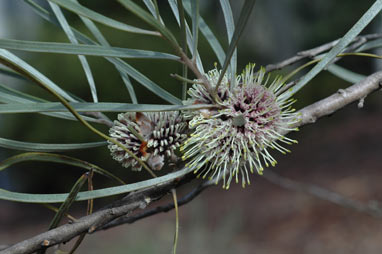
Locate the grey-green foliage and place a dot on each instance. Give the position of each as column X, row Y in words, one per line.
column 156, row 27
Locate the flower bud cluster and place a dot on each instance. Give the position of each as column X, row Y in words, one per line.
column 153, row 137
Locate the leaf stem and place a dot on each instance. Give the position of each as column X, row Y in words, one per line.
column 183, row 79
column 176, row 236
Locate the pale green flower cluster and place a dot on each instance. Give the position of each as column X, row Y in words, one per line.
column 235, row 140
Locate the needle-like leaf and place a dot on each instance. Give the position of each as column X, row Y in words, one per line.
column 243, row 19
column 86, row 12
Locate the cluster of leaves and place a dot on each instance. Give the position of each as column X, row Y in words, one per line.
column 87, row 112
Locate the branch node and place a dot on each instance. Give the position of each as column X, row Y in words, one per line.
column 144, row 204
column 312, row 119
column 45, row 243
column 361, row 102
column 342, row 92
column 92, row 229
column 304, row 53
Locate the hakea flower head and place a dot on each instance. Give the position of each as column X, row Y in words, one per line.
column 235, row 140
column 153, row 137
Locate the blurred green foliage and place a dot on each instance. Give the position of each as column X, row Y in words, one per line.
column 318, row 22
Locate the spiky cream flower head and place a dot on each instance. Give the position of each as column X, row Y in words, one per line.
column 235, row 140
column 153, row 137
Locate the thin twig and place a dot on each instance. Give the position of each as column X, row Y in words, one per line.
column 192, row 66
column 186, row 80
column 176, row 234
column 322, row 193
column 311, row 53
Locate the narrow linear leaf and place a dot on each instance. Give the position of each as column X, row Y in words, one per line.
column 157, row 14
column 9, row 95
column 15, row 63
column 84, row 63
column 345, row 74
column 69, row 116
column 208, row 34
column 102, row 40
column 55, row 209
column 183, row 30
column 195, row 23
column 153, row 8
column 50, row 18
column 181, row 19
column 146, row 82
column 121, row 65
column 230, row 25
column 128, row 85
column 86, row 12
column 42, row 147
column 94, row 107
column 175, row 11
column 89, row 211
column 243, row 19
column 11, row 73
column 65, row 207
column 100, row 193
column 145, row 16
column 68, row 202
column 370, row 45
column 56, row 158
column 24, row 97
column 20, row 66
column 81, row 49
column 90, row 207
column 366, row 18
column 93, row 129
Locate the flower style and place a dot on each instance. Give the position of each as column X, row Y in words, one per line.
column 235, row 139
column 152, row 137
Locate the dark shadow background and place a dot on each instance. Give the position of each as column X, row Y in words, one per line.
column 340, row 153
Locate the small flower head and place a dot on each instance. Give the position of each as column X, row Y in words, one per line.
column 153, row 137
column 235, row 140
